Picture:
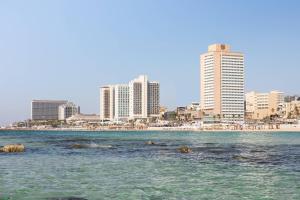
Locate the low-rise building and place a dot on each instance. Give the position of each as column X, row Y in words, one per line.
column 261, row 105
column 83, row 118
column 292, row 110
column 67, row 110
column 189, row 113
column 45, row 109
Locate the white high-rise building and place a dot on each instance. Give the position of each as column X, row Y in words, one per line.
column 121, row 102
column 222, row 83
column 137, row 100
column 107, row 101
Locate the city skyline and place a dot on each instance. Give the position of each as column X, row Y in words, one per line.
column 50, row 52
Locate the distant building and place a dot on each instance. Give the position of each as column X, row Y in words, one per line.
column 194, row 106
column 139, row 99
column 83, row 119
column 222, row 83
column 45, row 109
column 189, row 113
column 107, row 96
column 261, row 105
column 121, row 102
column 169, row 115
column 67, row 110
column 292, row 110
column 153, row 99
column 291, row 98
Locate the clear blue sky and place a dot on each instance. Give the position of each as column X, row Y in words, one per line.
column 59, row 49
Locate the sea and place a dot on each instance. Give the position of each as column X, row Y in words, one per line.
column 66, row 165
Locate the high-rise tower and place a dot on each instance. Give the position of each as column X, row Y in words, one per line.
column 222, row 83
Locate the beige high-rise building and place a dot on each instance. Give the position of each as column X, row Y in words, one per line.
column 261, row 105
column 222, row 83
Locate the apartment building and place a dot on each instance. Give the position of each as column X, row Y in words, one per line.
column 222, row 83
column 261, row 105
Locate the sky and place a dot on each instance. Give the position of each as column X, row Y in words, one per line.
column 67, row 49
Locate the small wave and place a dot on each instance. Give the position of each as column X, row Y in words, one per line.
column 90, row 145
column 95, row 145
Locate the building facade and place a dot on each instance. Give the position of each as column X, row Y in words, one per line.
column 139, row 99
column 121, row 102
column 107, row 96
column 67, row 110
column 45, row 109
column 222, row 83
column 261, row 105
column 292, row 109
column 153, row 99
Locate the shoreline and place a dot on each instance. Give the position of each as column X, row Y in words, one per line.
column 156, row 129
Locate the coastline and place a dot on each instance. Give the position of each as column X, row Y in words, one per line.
column 158, row 129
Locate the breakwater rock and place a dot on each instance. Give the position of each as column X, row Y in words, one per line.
column 11, row 148
column 184, row 149
column 150, row 143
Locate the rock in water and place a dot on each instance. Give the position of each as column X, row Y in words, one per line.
column 185, row 149
column 240, row 158
column 78, row 146
column 11, row 148
column 150, row 143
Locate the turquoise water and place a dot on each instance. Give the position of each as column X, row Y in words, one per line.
column 119, row 165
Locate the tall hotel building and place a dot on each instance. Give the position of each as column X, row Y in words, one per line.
column 222, row 83
column 121, row 102
column 137, row 100
column 153, row 98
column 107, row 102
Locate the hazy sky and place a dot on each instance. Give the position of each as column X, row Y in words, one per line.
column 66, row 49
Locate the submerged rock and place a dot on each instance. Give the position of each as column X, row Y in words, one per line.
column 240, row 158
column 78, row 146
column 185, row 149
column 150, row 143
column 11, row 148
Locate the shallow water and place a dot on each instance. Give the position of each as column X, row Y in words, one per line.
column 120, row 165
